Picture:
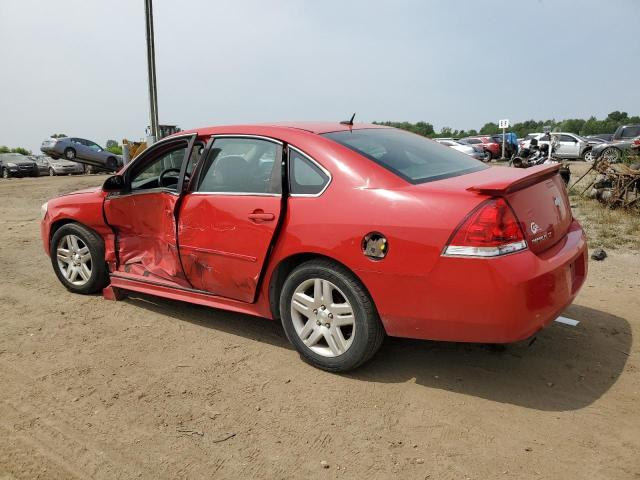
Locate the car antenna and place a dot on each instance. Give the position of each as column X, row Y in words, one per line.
column 348, row 122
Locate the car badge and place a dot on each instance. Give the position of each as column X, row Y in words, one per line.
column 535, row 228
column 557, row 202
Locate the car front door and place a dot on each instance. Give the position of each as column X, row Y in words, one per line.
column 568, row 146
column 143, row 213
column 227, row 221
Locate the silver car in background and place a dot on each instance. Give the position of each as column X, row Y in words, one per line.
column 81, row 150
column 61, row 166
column 477, row 153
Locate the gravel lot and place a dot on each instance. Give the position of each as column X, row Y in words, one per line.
column 152, row 388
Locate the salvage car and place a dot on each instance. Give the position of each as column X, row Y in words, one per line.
column 491, row 148
column 345, row 233
column 17, row 165
column 81, row 150
column 474, row 151
column 61, row 166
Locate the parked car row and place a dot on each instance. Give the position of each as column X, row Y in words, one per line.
column 474, row 151
column 572, row 146
column 18, row 165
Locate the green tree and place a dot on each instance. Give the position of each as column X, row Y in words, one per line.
column 21, row 151
column 58, row 135
column 4, row 149
column 111, row 143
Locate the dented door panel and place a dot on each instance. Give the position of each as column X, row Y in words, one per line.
column 145, row 225
column 224, row 240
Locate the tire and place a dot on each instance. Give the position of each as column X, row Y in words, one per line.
column 6, row 173
column 611, row 154
column 69, row 153
column 587, row 156
column 354, row 339
column 89, row 169
column 488, row 156
column 112, row 164
column 52, row 173
column 63, row 265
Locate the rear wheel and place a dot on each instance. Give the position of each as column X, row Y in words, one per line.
column 6, row 173
column 488, row 156
column 329, row 317
column 69, row 153
column 612, row 154
column 77, row 256
column 112, row 163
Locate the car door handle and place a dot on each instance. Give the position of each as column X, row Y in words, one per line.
column 260, row 216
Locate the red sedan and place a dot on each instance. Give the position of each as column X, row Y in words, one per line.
column 491, row 148
column 344, row 233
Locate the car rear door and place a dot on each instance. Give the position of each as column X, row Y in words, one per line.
column 227, row 221
column 143, row 214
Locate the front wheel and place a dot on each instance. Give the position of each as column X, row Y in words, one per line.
column 329, row 317
column 488, row 156
column 77, row 256
column 588, row 156
column 52, row 172
column 6, row 173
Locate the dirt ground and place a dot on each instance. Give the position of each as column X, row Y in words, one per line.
column 152, row 388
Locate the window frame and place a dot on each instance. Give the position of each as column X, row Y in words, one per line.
column 159, row 147
column 314, row 162
column 277, row 167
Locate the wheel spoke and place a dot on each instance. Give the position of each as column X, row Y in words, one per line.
column 341, row 309
column 63, row 255
column 307, row 329
column 327, row 292
column 84, row 272
column 317, row 291
column 335, row 344
column 303, row 299
column 72, row 242
column 343, row 321
column 315, row 336
column 72, row 274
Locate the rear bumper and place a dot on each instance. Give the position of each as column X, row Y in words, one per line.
column 499, row 300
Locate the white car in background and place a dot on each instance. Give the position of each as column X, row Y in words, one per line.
column 568, row 145
column 476, row 153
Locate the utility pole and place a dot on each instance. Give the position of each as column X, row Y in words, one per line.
column 151, row 71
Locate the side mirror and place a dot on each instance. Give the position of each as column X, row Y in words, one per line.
column 114, row 183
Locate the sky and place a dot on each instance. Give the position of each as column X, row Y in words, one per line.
column 79, row 66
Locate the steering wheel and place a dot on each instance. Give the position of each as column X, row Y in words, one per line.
column 162, row 175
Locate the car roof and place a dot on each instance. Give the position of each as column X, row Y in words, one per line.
column 311, row 127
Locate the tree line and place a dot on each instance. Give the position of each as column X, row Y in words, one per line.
column 590, row 126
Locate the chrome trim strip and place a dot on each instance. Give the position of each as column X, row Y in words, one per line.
column 238, row 194
column 312, row 160
column 210, row 251
column 245, row 135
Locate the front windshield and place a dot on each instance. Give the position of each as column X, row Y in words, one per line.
column 412, row 157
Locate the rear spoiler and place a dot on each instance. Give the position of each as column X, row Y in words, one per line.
column 507, row 180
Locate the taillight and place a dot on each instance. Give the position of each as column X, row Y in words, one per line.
column 490, row 230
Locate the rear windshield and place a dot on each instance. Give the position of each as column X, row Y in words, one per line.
column 410, row 156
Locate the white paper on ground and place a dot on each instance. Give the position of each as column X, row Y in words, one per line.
column 567, row 321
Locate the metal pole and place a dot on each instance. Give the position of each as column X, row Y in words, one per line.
column 503, row 140
column 151, row 71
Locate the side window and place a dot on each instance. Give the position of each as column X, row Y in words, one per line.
column 305, row 177
column 567, row 138
column 630, row 132
column 242, row 165
column 169, row 161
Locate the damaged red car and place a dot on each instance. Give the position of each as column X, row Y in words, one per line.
column 345, row 233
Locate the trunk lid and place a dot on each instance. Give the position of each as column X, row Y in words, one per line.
column 539, row 199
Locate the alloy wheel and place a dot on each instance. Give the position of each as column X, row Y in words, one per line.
column 323, row 317
column 612, row 155
column 74, row 260
column 588, row 156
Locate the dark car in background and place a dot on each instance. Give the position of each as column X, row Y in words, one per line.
column 623, row 140
column 17, row 165
column 601, row 137
column 81, row 150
